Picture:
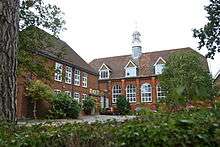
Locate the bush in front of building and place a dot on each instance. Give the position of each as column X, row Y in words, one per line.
column 123, row 105
column 63, row 106
column 88, row 105
column 38, row 91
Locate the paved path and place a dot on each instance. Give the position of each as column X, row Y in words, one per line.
column 89, row 119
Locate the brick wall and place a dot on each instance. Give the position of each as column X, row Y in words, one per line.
column 24, row 105
column 107, row 85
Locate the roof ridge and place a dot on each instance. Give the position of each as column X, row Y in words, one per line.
column 169, row 50
column 142, row 53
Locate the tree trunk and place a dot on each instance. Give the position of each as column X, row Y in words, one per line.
column 8, row 45
column 35, row 109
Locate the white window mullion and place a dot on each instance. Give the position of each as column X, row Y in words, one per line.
column 131, row 93
column 84, row 80
column 161, row 94
column 77, row 77
column 68, row 93
column 116, row 91
column 84, row 96
column 68, row 76
column 58, row 72
column 57, row 91
column 104, row 74
column 77, row 96
column 146, row 93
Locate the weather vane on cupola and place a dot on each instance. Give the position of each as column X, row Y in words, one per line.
column 136, row 43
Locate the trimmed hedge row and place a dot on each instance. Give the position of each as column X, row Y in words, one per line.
column 192, row 128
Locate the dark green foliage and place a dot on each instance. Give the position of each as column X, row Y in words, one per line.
column 37, row 13
column 192, row 128
column 123, row 105
column 88, row 105
column 209, row 35
column 64, row 106
column 186, row 78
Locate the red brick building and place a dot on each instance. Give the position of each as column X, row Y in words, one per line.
column 75, row 77
column 134, row 76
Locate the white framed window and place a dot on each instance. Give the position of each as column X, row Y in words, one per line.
column 159, row 69
column 77, row 77
column 84, row 96
column 116, row 91
column 146, row 93
column 68, row 93
column 104, row 74
column 84, row 80
column 161, row 94
column 131, row 72
column 77, row 96
column 58, row 72
column 131, row 93
column 68, row 76
column 57, row 91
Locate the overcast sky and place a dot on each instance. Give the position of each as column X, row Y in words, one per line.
column 103, row 28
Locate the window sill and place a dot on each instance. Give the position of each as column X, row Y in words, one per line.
column 57, row 80
column 68, row 83
column 133, row 102
column 146, row 101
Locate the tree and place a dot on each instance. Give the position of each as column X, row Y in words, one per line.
column 9, row 10
column 38, row 91
column 186, row 78
column 209, row 35
column 88, row 105
column 123, row 105
column 32, row 13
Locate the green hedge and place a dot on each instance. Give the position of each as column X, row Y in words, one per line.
column 193, row 128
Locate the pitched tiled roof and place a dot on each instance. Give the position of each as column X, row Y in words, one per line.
column 68, row 56
column 145, row 62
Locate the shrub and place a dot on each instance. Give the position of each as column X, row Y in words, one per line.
column 88, row 105
column 123, row 105
column 144, row 111
column 63, row 106
column 37, row 91
column 189, row 128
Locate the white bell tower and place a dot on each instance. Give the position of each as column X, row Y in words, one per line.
column 136, row 45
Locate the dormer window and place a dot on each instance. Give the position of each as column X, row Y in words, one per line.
column 159, row 69
column 159, row 66
column 131, row 72
column 104, row 72
column 130, row 69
